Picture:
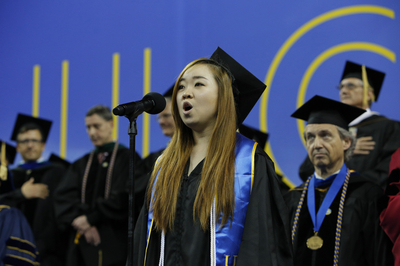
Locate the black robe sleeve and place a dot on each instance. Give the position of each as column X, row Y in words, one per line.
column 13, row 197
column 386, row 134
column 266, row 231
column 142, row 180
column 379, row 252
column 67, row 196
column 140, row 237
column 306, row 169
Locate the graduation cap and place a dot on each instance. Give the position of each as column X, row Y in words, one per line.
column 321, row 110
column 57, row 159
column 168, row 93
column 254, row 134
column 23, row 120
column 371, row 76
column 11, row 151
column 249, row 87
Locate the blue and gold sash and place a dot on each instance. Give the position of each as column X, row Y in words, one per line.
column 228, row 237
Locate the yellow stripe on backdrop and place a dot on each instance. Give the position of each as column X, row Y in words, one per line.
column 345, row 47
column 336, row 13
column 64, row 108
column 115, row 91
column 146, row 89
column 36, row 90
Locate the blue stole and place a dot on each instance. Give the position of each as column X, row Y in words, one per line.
column 227, row 237
column 33, row 165
column 337, row 183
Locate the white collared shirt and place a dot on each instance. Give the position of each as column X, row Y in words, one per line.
column 368, row 113
column 320, row 177
column 40, row 160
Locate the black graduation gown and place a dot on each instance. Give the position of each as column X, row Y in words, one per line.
column 363, row 242
column 386, row 134
column 40, row 212
column 110, row 215
column 374, row 166
column 265, row 237
column 150, row 160
column 142, row 181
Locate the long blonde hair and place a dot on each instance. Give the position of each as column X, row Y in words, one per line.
column 217, row 178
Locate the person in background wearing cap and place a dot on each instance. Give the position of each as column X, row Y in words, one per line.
column 17, row 244
column 335, row 214
column 377, row 136
column 167, row 124
column 92, row 199
column 35, row 181
column 213, row 197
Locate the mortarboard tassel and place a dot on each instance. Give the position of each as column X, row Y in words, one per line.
column 366, row 86
column 3, row 166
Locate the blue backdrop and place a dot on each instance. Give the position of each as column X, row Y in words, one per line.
column 298, row 48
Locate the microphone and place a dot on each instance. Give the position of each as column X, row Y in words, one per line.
column 152, row 103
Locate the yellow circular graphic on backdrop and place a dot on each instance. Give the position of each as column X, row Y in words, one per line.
column 353, row 46
column 351, row 10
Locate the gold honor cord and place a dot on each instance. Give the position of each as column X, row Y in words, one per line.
column 146, row 89
column 115, row 91
column 3, row 166
column 366, row 86
column 341, row 48
column 64, row 108
column 317, row 243
column 36, row 90
column 336, row 13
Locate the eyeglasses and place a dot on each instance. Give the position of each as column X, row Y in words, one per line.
column 26, row 141
column 163, row 116
column 350, row 86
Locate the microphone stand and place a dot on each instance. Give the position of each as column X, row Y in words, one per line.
column 152, row 103
column 132, row 131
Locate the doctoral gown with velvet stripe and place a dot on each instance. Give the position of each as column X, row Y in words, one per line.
column 363, row 242
column 40, row 213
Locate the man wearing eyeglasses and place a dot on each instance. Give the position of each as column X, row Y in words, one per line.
column 35, row 180
column 378, row 137
column 167, row 125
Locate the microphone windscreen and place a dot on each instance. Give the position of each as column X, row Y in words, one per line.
column 159, row 102
column 119, row 110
